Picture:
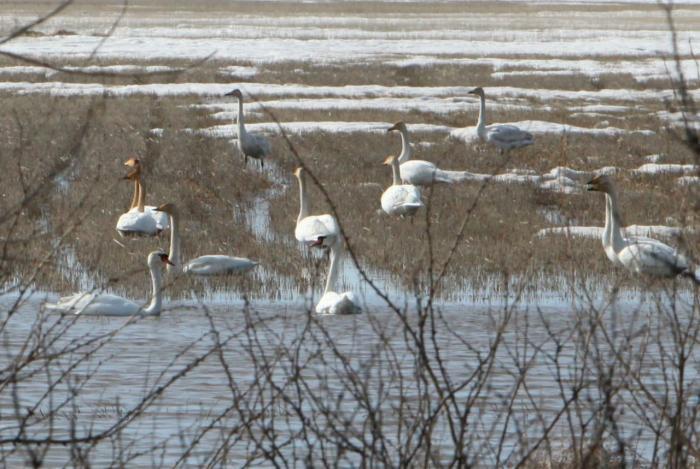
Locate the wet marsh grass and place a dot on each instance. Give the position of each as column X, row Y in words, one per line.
column 206, row 177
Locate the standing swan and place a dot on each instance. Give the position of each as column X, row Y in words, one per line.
column 313, row 230
column 400, row 199
column 505, row 137
column 332, row 302
column 250, row 145
column 638, row 255
column 88, row 303
column 203, row 265
column 419, row 172
column 141, row 219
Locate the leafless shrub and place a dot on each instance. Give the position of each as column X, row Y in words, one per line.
column 413, row 384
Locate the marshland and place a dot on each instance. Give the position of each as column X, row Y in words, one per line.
column 494, row 329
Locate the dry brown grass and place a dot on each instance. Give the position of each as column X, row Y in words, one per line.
column 207, row 180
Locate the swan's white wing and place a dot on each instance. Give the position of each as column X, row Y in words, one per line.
column 401, row 200
column 162, row 219
column 218, row 265
column 418, row 172
column 139, row 223
column 310, row 229
column 338, row 303
column 653, row 258
column 508, row 136
column 92, row 304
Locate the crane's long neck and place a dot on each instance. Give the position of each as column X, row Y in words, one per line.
column 333, row 270
column 156, row 296
column 174, row 254
column 613, row 222
column 135, row 198
column 481, row 123
column 396, row 173
column 142, row 195
column 406, row 151
column 303, row 200
column 241, row 123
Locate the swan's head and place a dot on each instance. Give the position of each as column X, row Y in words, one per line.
column 133, row 162
column 168, row 208
column 235, row 93
column 400, row 126
column 602, row 183
column 389, row 160
column 132, row 175
column 158, row 256
column 299, row 172
column 479, row 91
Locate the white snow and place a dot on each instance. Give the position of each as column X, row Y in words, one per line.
column 688, row 180
column 239, row 71
column 597, row 231
column 458, row 94
column 469, row 135
column 230, row 131
column 655, row 168
column 269, row 46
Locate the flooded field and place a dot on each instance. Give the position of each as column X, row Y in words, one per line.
column 494, row 329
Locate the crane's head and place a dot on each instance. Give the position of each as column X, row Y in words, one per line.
column 602, row 183
column 235, row 93
column 479, row 91
column 299, row 171
column 400, row 126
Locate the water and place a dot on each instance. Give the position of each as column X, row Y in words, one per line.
column 145, row 354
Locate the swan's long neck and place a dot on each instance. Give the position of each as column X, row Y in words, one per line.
column 481, row 123
column 333, row 270
column 142, row 195
column 303, row 200
column 396, row 173
column 135, row 198
column 241, row 124
column 174, row 254
column 406, row 151
column 613, row 222
column 156, row 295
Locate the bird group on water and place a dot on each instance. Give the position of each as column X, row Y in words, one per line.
column 639, row 255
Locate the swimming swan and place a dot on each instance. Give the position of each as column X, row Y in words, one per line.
column 332, row 302
column 104, row 304
column 213, row 264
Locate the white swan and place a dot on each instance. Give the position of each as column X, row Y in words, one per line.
column 638, row 255
column 420, row 172
column 87, row 303
column 332, row 302
column 505, row 137
column 204, row 265
column 140, row 219
column 313, row 230
column 250, row 145
column 400, row 199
